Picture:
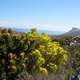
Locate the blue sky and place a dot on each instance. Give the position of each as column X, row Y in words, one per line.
column 56, row 15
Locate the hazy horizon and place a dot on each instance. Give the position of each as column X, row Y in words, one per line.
column 52, row 15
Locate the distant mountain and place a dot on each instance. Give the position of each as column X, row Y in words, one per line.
column 73, row 32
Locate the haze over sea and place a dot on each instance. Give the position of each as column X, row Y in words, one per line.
column 39, row 31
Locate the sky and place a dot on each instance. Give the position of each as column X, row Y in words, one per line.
column 54, row 15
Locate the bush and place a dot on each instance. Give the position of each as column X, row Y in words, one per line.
column 30, row 52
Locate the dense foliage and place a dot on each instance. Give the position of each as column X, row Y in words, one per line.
column 31, row 52
column 74, row 54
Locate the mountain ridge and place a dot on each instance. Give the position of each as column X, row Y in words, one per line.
column 73, row 32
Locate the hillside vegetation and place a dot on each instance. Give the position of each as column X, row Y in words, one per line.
column 27, row 56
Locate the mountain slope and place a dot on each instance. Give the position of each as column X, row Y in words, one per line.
column 73, row 32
